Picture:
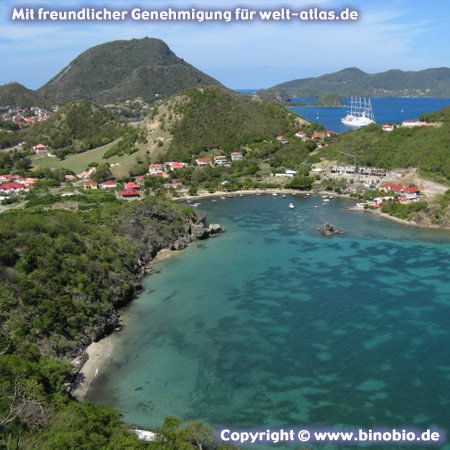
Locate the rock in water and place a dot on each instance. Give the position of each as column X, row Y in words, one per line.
column 328, row 230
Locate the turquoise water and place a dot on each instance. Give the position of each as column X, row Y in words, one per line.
column 274, row 325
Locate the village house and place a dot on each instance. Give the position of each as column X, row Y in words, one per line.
column 155, row 168
column 300, row 134
column 176, row 165
column 282, row 139
column 221, row 161
column 174, row 185
column 129, row 194
column 410, row 191
column 237, row 156
column 108, row 184
column 6, row 178
column 90, row 184
column 387, row 127
column 161, row 174
column 27, row 181
column 87, row 173
column 14, row 187
column 133, row 186
column 40, row 148
column 204, row 161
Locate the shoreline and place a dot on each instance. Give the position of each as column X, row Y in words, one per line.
column 295, row 192
column 99, row 352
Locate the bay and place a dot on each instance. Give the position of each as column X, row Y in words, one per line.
column 392, row 109
column 274, row 325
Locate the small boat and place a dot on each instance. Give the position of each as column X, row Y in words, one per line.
column 195, row 205
column 274, row 194
column 291, row 205
column 213, row 201
column 284, row 196
column 316, row 207
column 326, row 200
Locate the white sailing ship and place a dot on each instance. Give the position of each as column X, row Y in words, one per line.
column 360, row 114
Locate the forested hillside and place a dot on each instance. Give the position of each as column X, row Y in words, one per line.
column 425, row 147
column 64, row 271
column 208, row 118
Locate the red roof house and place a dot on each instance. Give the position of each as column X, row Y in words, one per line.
column 131, row 185
column 129, row 194
column 109, row 184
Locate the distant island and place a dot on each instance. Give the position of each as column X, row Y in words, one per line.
column 354, row 82
column 279, row 95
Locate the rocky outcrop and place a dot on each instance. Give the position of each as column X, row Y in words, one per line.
column 214, row 229
column 149, row 228
column 328, row 230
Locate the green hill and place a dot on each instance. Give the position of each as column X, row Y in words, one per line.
column 14, row 94
column 329, row 100
column 353, row 81
column 426, row 148
column 122, row 70
column 76, row 127
column 208, row 118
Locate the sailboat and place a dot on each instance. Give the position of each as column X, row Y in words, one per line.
column 360, row 114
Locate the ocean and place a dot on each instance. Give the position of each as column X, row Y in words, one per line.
column 395, row 110
column 272, row 325
column 391, row 109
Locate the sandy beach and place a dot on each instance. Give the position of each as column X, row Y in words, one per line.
column 98, row 353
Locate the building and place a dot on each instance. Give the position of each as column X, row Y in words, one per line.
column 155, row 168
column 90, row 184
column 109, row 184
column 133, row 186
column 129, row 194
column 40, row 148
column 204, row 161
column 237, row 156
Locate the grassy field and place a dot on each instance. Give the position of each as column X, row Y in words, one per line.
column 120, row 165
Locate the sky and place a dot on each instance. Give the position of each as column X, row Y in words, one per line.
column 252, row 54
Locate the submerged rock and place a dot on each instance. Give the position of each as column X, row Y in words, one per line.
column 328, row 230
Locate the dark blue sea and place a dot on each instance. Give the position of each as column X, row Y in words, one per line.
column 393, row 110
column 272, row 325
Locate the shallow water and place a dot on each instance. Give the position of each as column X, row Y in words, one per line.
column 274, row 325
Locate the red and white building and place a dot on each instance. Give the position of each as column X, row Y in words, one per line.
column 14, row 187
column 153, row 169
column 109, row 184
column 204, row 161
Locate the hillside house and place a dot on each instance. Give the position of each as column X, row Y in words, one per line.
column 13, row 187
column 40, row 148
column 131, row 185
column 204, row 161
column 129, row 194
column 108, row 184
column 155, row 168
column 237, row 156
column 90, row 184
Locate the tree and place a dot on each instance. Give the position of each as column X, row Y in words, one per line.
column 301, row 182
